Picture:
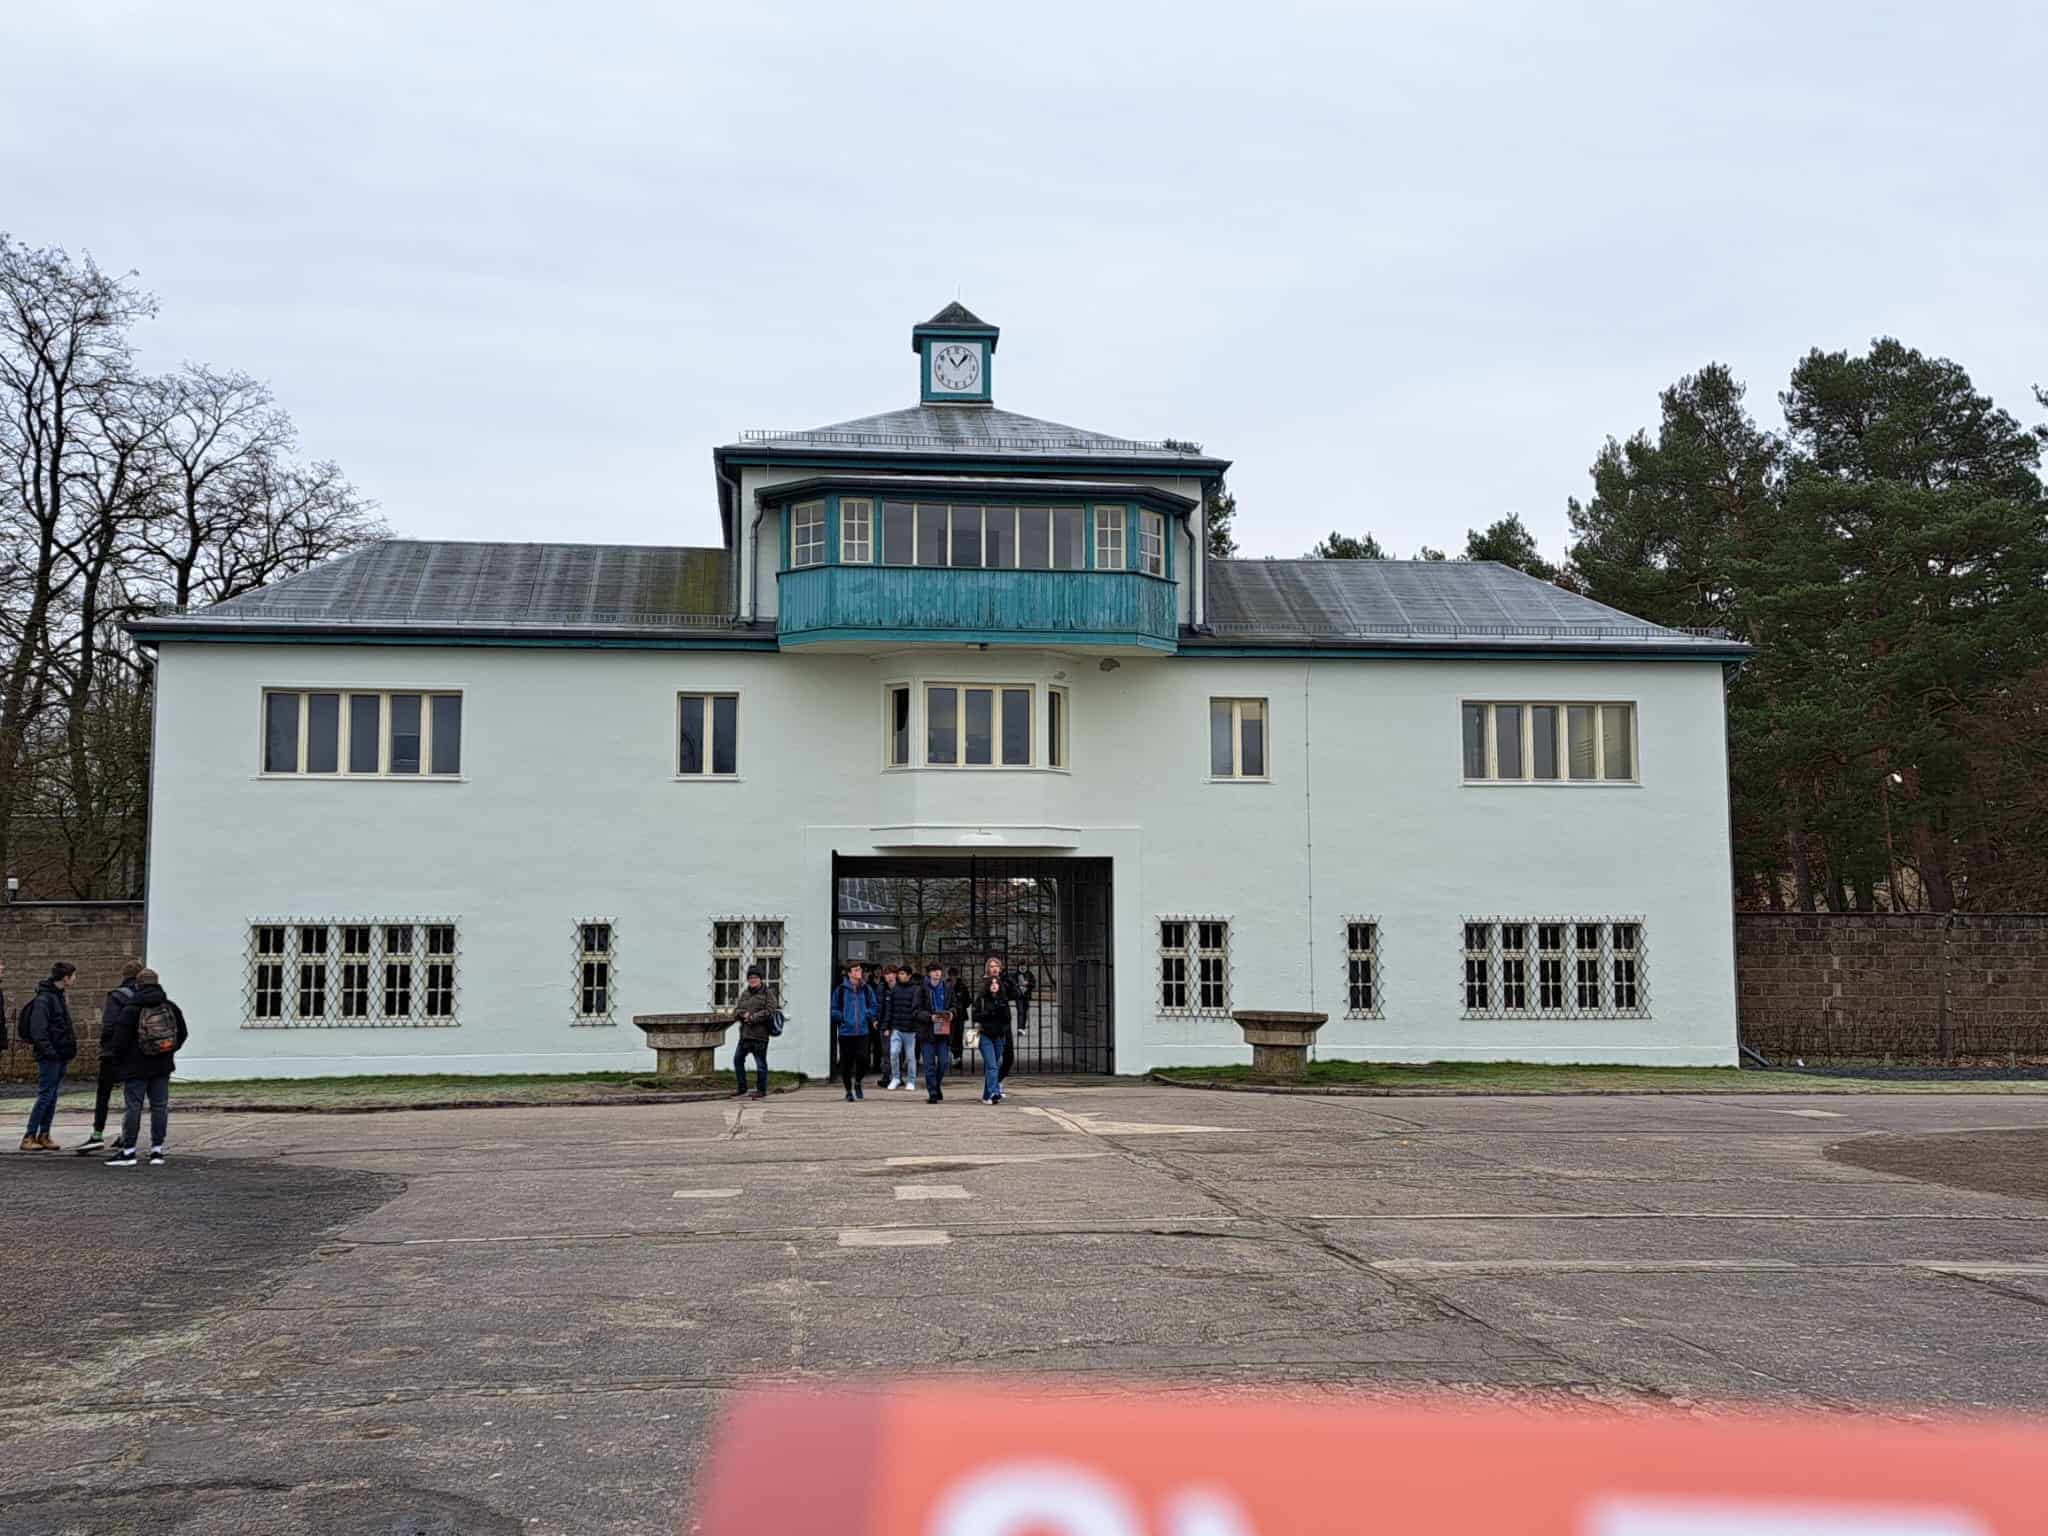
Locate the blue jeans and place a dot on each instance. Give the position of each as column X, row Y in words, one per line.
column 936, row 1054
column 902, row 1056
column 991, row 1067
column 49, row 1078
column 759, row 1051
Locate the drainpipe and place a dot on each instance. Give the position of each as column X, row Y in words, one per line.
column 734, row 486
column 1195, row 614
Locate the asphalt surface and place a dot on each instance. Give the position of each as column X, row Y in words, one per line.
column 524, row 1320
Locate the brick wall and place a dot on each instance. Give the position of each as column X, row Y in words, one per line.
column 95, row 936
column 1867, row 985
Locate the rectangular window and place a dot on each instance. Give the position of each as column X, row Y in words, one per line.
column 1237, row 738
column 941, row 726
column 979, row 730
column 966, row 525
column 1016, row 728
column 374, row 734
column 899, row 533
column 806, row 534
column 1554, row 968
column 856, row 532
column 1056, row 728
column 738, row 942
column 1518, row 743
column 708, row 735
column 931, row 535
column 593, row 976
column 1068, row 550
column 1109, row 538
column 1194, row 966
column 1362, row 969
column 1034, row 539
column 313, row 973
column 1152, row 543
column 896, row 722
column 999, row 538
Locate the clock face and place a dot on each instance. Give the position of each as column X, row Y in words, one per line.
column 956, row 366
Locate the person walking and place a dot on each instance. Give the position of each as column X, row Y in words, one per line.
column 1022, row 988
column 46, row 1026
column 878, row 1045
column 110, row 1016
column 958, row 1039
column 853, row 1020
column 755, row 1014
column 992, row 1020
column 899, row 1016
column 938, row 1004
column 147, row 1038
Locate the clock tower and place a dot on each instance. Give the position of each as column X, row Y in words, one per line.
column 956, row 350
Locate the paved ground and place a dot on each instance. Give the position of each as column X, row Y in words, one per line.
column 521, row 1320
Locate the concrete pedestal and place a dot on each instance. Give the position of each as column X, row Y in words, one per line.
column 685, row 1044
column 1279, row 1040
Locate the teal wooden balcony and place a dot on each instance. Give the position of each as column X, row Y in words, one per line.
column 850, row 607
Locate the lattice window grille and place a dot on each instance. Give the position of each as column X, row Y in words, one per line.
column 351, row 973
column 1554, row 968
column 738, row 942
column 594, row 978
column 1194, row 966
column 1362, row 981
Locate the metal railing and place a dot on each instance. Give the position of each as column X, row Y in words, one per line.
column 509, row 616
column 1418, row 630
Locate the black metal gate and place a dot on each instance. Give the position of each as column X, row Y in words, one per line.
column 1046, row 918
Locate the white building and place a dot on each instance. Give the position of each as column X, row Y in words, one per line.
column 957, row 680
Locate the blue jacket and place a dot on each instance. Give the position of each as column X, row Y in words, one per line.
column 853, row 1008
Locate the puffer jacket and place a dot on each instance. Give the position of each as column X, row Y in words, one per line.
column 899, row 1007
column 49, row 1024
column 129, row 1061
column 754, row 1012
column 853, row 1009
column 110, row 1017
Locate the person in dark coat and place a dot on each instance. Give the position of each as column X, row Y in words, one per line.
column 854, row 1013
column 992, row 1020
column 1021, row 982
column 937, row 999
column 110, row 1017
column 46, row 1026
column 899, row 1017
column 145, row 1069
column 755, row 1015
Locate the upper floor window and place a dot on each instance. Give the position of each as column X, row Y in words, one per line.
column 709, row 735
column 1237, row 738
column 807, row 534
column 1109, row 538
column 856, row 532
column 1152, row 543
column 362, row 734
column 896, row 724
column 1055, row 727
column 993, row 538
column 1550, row 743
column 975, row 725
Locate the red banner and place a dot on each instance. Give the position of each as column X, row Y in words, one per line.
column 977, row 1461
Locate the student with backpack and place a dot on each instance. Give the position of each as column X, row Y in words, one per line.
column 110, row 1066
column 759, row 1016
column 45, row 1025
column 147, row 1037
column 853, row 1020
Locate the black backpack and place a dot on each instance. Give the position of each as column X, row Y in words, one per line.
column 21, row 1022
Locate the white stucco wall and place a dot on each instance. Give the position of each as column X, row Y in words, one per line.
column 568, row 809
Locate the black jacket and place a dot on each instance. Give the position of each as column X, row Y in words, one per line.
column 899, row 1006
column 128, row 1058
column 110, row 1017
column 49, row 1024
column 927, row 1004
column 992, row 1010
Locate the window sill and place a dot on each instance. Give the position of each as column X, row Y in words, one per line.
column 706, row 778
column 972, row 768
column 361, row 778
column 1241, row 778
column 1551, row 783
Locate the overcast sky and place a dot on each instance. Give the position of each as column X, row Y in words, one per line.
column 519, row 266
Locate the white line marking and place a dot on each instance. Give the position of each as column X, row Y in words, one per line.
column 705, row 1194
column 1804, row 1114
column 932, row 1192
column 893, row 1237
column 1661, row 1216
column 1969, row 1267
column 940, row 1160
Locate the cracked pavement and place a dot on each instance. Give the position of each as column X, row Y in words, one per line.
column 508, row 1320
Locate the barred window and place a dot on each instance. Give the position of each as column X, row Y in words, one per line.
column 314, row 973
column 738, row 942
column 1362, row 969
column 352, row 734
column 1554, row 968
column 1194, row 966
column 594, row 975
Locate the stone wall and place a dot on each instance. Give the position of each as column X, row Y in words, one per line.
column 1910, row 985
column 95, row 936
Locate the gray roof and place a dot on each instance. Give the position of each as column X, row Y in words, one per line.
column 956, row 313
column 416, row 584
column 1349, row 602
column 978, row 430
